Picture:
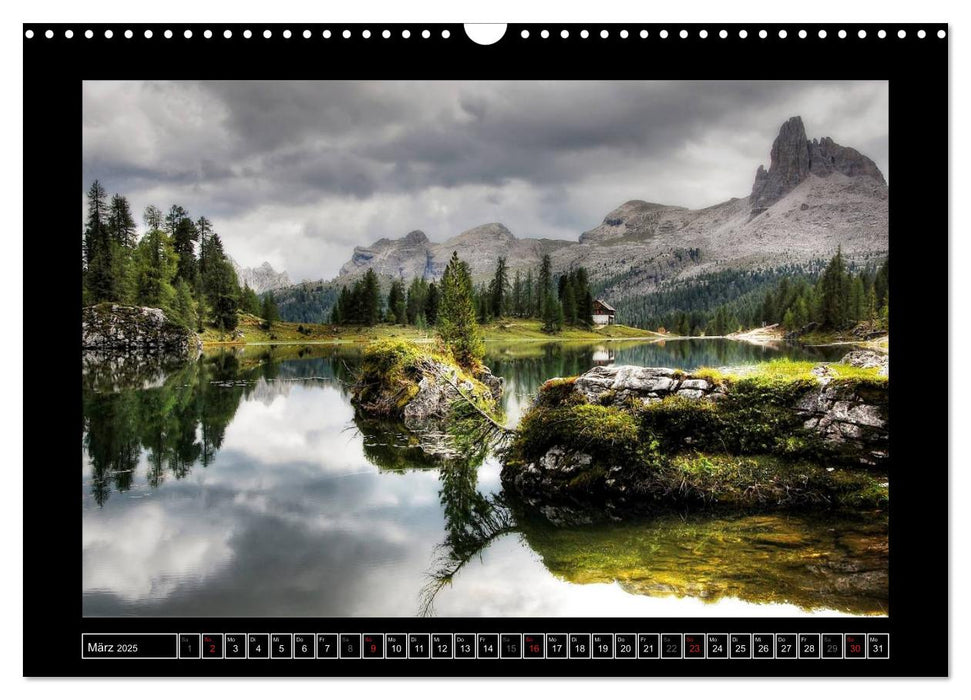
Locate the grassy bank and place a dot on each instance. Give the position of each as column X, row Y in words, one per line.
column 252, row 330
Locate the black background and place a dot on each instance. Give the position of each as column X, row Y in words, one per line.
column 917, row 70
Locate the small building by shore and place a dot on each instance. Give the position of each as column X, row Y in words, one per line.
column 603, row 313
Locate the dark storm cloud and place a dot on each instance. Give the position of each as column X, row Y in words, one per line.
column 299, row 171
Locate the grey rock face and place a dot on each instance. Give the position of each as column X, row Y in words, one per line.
column 615, row 384
column 793, row 158
column 432, row 404
column 113, row 329
column 415, row 256
column 868, row 358
column 846, row 419
column 788, row 166
column 261, row 279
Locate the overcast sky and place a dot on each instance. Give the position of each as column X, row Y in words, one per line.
column 298, row 173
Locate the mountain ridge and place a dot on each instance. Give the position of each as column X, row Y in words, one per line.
column 816, row 195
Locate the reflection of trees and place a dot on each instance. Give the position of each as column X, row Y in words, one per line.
column 472, row 522
column 178, row 415
column 178, row 422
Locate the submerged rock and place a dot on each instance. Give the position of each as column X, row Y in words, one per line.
column 109, row 330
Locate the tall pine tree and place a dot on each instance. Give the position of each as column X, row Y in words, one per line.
column 99, row 271
column 457, row 324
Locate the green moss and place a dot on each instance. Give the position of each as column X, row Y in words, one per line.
column 390, row 372
column 785, row 370
column 763, row 480
column 558, row 392
column 589, row 479
column 609, row 434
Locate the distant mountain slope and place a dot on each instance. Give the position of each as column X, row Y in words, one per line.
column 815, row 196
column 415, row 256
column 261, row 279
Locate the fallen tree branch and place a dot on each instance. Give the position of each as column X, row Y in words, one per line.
column 495, row 424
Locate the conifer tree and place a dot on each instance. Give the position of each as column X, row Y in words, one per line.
column 250, row 301
column 833, row 286
column 370, row 299
column 569, row 302
column 498, row 289
column 270, row 313
column 516, row 303
column 397, row 310
column 431, row 304
column 99, row 272
column 184, row 235
column 417, row 295
column 457, row 324
column 529, row 303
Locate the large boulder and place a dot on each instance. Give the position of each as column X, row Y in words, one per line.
column 110, row 330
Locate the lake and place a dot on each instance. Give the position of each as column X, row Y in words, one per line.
column 241, row 485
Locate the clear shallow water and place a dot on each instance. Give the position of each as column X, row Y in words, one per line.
column 242, row 485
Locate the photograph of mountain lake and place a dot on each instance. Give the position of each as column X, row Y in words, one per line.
column 664, row 411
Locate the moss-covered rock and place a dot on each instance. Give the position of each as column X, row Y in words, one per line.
column 419, row 386
column 635, row 438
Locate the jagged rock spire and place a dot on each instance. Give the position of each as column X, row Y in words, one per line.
column 793, row 157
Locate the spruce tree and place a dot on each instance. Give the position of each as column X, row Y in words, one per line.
column 342, row 309
column 552, row 314
column 184, row 235
column 431, row 304
column 121, row 223
column 569, row 303
column 270, row 313
column 157, row 264
column 545, row 282
column 99, row 272
column 457, row 324
column 516, row 302
column 417, row 296
column 498, row 289
column 250, row 301
column 370, row 299
column 529, row 303
column 397, row 308
column 833, row 287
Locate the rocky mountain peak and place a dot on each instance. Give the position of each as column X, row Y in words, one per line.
column 486, row 232
column 261, row 279
column 794, row 157
column 416, row 237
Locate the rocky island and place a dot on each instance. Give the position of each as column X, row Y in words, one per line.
column 620, row 439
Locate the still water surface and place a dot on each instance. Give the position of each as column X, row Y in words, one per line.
column 241, row 485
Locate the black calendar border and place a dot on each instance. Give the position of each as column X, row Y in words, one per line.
column 917, row 71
